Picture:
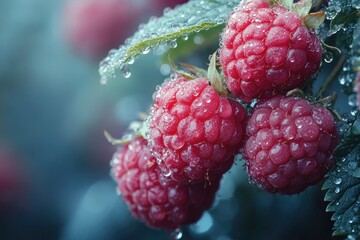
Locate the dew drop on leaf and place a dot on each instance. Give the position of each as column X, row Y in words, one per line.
column 338, row 181
column 328, row 57
column 198, row 39
column 146, row 50
column 125, row 71
column 172, row 44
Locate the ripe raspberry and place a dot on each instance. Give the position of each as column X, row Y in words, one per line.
column 194, row 132
column 289, row 144
column 267, row 49
column 155, row 199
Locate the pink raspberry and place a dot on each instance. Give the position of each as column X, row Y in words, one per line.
column 93, row 27
column 266, row 50
column 155, row 199
column 194, row 132
column 289, row 144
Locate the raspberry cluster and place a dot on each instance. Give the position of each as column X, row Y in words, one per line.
column 170, row 178
column 169, row 175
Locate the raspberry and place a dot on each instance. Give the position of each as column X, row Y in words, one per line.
column 194, row 132
column 93, row 27
column 289, row 144
column 155, row 199
column 267, row 50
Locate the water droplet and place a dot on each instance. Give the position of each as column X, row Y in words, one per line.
column 125, row 71
column 118, row 192
column 131, row 61
column 198, row 104
column 328, row 57
column 103, row 80
column 176, row 234
column 352, row 100
column 338, row 181
column 165, row 69
column 185, row 37
column 173, row 44
column 198, row 39
column 146, row 50
column 167, row 173
column 337, row 190
column 158, row 160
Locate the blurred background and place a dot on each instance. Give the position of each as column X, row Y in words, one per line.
column 54, row 159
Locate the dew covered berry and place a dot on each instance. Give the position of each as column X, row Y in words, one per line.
column 289, row 144
column 267, row 49
column 155, row 199
column 194, row 132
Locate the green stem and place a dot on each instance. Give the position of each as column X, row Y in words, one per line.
column 331, row 76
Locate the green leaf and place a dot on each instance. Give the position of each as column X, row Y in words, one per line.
column 344, row 18
column 196, row 43
column 162, row 33
column 343, row 184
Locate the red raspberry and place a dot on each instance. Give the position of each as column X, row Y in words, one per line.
column 93, row 27
column 289, row 144
column 155, row 199
column 160, row 5
column 194, row 132
column 267, row 49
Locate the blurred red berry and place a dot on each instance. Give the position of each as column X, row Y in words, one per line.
column 160, row 5
column 11, row 179
column 93, row 27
